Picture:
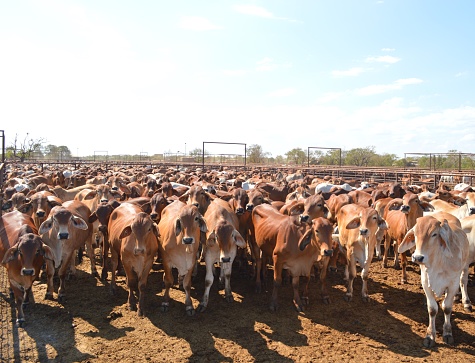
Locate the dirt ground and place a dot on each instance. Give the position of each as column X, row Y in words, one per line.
column 94, row 326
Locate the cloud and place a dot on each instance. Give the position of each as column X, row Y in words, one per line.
column 283, row 92
column 197, row 23
column 267, row 64
column 388, row 49
column 461, row 74
column 234, row 72
column 352, row 72
column 383, row 59
column 382, row 88
column 259, row 11
column 331, row 96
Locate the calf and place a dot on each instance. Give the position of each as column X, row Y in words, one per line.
column 134, row 237
column 180, row 228
column 442, row 251
column 357, row 226
column 222, row 241
column 23, row 262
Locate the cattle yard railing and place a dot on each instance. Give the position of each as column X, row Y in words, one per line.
column 337, row 174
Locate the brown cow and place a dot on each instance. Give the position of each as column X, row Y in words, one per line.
column 180, row 229
column 23, row 261
column 134, row 237
column 40, row 205
column 222, row 241
column 294, row 246
column 65, row 231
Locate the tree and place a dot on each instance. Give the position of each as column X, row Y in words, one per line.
column 255, row 154
column 360, row 156
column 297, row 156
column 25, row 149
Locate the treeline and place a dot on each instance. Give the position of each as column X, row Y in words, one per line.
column 37, row 150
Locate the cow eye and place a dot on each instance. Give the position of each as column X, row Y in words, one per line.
column 434, row 235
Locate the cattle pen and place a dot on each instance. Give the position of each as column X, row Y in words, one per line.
column 92, row 325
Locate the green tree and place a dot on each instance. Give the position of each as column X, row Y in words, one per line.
column 296, row 156
column 360, row 156
column 255, row 154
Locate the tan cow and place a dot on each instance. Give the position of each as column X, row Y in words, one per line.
column 357, row 226
column 180, row 228
column 222, row 241
column 442, row 251
column 65, row 231
column 134, row 239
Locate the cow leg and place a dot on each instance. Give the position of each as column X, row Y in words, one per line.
column 432, row 308
column 277, row 285
column 365, row 271
column 403, row 267
column 143, row 284
column 92, row 258
column 323, row 280
column 226, row 269
column 105, row 256
column 19, row 296
column 132, row 283
column 296, row 300
column 168, row 280
column 304, row 297
column 387, row 243
column 114, row 265
column 62, row 281
column 351, row 268
column 190, row 311
column 256, row 251
column 447, row 304
column 49, row 279
column 467, row 305
column 208, row 283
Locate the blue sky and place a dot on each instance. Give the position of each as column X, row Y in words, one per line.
column 131, row 77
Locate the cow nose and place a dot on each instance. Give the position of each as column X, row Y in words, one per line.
column 304, row 218
column 364, row 232
column 328, row 253
column 63, row 235
column 225, row 259
column 249, row 207
column 405, row 208
column 103, row 229
column 196, row 205
column 154, row 216
column 417, row 258
column 472, row 211
column 115, row 188
column 103, row 200
column 188, row 240
column 240, row 211
column 27, row 271
column 139, row 251
column 40, row 213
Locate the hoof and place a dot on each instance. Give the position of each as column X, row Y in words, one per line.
column 429, row 343
column 132, row 307
column 140, row 312
column 449, row 339
column 467, row 308
column 348, row 298
column 20, row 322
column 229, row 298
column 104, row 275
column 48, row 296
column 365, row 299
column 95, row 274
column 164, row 308
column 258, row 289
column 190, row 311
column 201, row 308
column 61, row 298
column 326, row 300
column 273, row 307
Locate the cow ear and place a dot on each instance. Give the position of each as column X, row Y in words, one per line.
column 127, row 231
column 46, row 226
column 92, row 218
column 426, row 206
column 25, row 208
column 240, row 242
column 177, row 226
column 147, row 208
column 296, row 209
column 47, row 252
column 91, row 195
column 183, row 198
column 408, row 242
column 445, row 233
column 78, row 222
column 10, row 255
column 354, row 223
column 203, row 226
column 305, row 239
column 7, row 205
column 211, row 240
column 114, row 203
column 395, row 204
column 382, row 224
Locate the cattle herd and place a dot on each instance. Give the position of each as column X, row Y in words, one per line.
column 289, row 222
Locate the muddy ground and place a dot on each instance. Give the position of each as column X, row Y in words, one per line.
column 94, row 326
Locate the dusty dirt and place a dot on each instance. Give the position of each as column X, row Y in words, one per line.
column 94, row 326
